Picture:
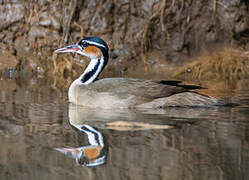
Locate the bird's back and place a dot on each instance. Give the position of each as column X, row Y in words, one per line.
column 130, row 93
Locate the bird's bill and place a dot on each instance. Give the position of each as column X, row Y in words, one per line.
column 71, row 48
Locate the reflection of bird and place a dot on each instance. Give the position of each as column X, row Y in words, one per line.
column 125, row 92
column 91, row 155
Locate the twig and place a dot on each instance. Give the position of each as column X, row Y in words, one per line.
column 68, row 19
column 214, row 5
column 162, row 15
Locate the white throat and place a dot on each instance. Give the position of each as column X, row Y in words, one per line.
column 92, row 71
column 89, row 75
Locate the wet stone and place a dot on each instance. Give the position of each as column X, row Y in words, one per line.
column 147, row 6
column 9, row 36
column 21, row 47
column 37, row 32
column 2, row 36
column 55, row 23
column 45, row 22
column 10, row 13
column 7, row 60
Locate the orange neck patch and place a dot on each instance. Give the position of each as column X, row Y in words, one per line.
column 94, row 51
column 92, row 152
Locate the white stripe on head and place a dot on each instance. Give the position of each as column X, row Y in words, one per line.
column 95, row 43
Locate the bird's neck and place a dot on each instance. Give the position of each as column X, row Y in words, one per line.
column 92, row 71
column 95, row 138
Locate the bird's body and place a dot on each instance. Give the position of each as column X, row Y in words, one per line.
column 136, row 93
column 126, row 92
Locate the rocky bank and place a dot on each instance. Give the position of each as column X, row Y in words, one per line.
column 147, row 38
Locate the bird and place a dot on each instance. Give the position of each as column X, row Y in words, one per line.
column 91, row 155
column 119, row 92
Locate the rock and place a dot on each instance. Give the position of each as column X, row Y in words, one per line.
column 147, row 6
column 9, row 36
column 45, row 22
column 45, row 19
column 10, row 13
column 55, row 23
column 7, row 60
column 37, row 32
column 2, row 35
column 21, row 47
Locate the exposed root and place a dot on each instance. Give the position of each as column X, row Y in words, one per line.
column 82, row 31
column 159, row 14
column 145, row 38
column 54, row 57
column 182, row 5
column 214, row 5
column 162, row 15
column 68, row 15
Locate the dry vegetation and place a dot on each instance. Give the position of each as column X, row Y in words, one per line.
column 226, row 64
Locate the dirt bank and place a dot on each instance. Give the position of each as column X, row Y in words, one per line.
column 153, row 36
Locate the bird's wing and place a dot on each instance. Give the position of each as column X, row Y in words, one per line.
column 140, row 87
column 159, row 89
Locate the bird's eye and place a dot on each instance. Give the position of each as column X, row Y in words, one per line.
column 84, row 44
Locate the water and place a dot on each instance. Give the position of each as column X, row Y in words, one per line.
column 41, row 138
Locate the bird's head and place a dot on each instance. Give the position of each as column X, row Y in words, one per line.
column 91, row 47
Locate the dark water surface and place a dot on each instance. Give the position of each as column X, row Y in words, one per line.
column 41, row 138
